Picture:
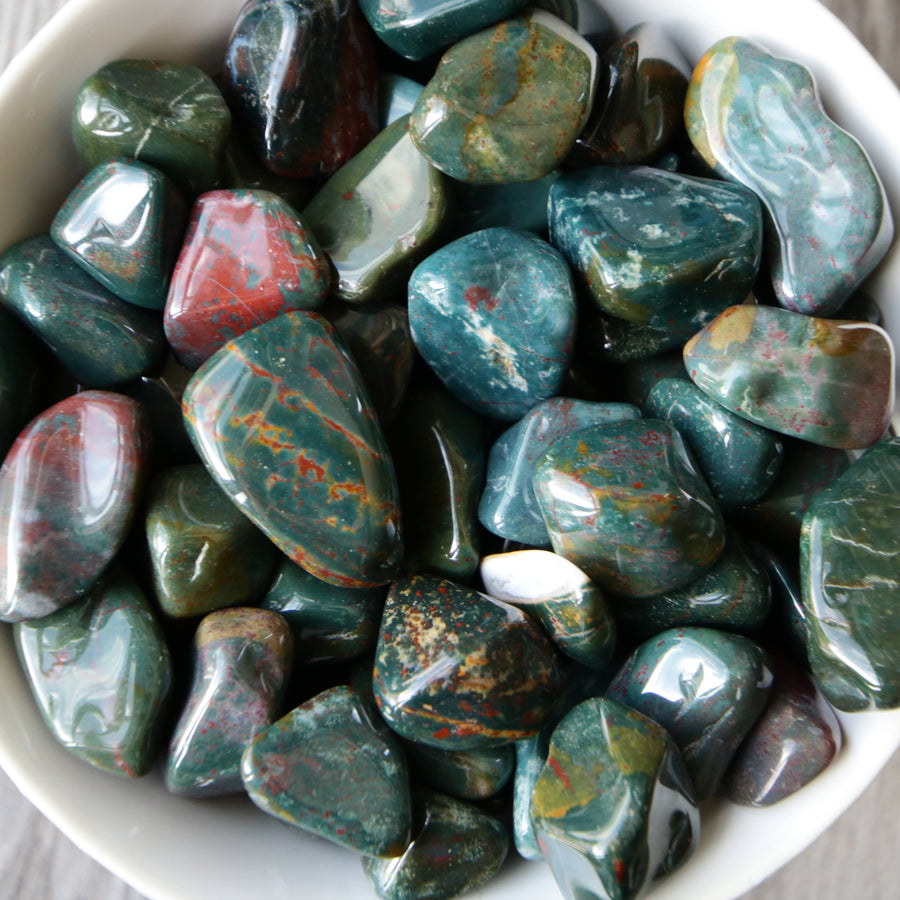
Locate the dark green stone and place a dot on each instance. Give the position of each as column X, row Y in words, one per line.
column 397, row 96
column 20, row 378
column 638, row 377
column 622, row 341
column 467, row 774
column 521, row 204
column 787, row 620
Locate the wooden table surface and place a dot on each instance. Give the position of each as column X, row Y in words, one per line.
column 857, row 858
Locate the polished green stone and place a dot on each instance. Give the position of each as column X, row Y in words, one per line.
column 397, row 96
column 521, row 204
column 850, row 578
column 638, row 377
column 621, row 341
column 20, row 378
column 467, row 774
column 786, row 627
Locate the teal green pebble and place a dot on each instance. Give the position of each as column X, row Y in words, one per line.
column 241, row 662
column 332, row 767
column 467, row 774
column 20, row 378
column 613, row 808
column 522, row 205
column 455, row 848
column 280, row 417
column 638, row 377
column 627, row 505
column 204, row 552
column 738, row 459
column 657, row 248
column 493, row 315
column 378, row 215
column 167, row 114
column 850, row 578
column 101, row 674
column 101, row 340
column 397, row 96
column 506, row 104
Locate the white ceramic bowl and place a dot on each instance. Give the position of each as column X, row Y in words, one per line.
column 168, row 847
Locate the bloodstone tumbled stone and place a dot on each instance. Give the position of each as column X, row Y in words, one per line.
column 205, row 553
column 827, row 381
column 613, row 808
column 242, row 659
column 456, row 669
column 493, row 315
column 300, row 76
column 626, row 504
column 850, row 579
column 167, row 114
column 757, row 119
column 332, row 767
column 247, row 257
column 20, row 376
column 281, row 419
column 100, row 672
column 705, row 687
column 69, row 488
column 506, row 104
column 468, row 774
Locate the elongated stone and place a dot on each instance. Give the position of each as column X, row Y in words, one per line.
column 705, row 687
column 757, row 119
column 247, row 258
column 242, row 659
column 456, row 669
column 825, row 381
column 613, row 807
column 68, row 492
column 506, row 104
column 467, row 774
column 850, row 577
column 101, row 674
column 332, row 767
column 205, row 553
column 20, row 378
column 282, row 421
column 101, row 340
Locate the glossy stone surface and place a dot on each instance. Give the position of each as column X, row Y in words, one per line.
column 705, row 687
column 639, row 377
column 329, row 623
column 570, row 607
column 123, row 223
column 508, row 505
column 626, row 504
column 521, row 204
column 467, row 774
column 397, row 96
column 241, row 662
column 280, row 417
column 332, row 767
column 493, row 315
column 738, row 459
column 205, row 553
column 456, row 669
column 100, row 672
column 613, row 808
column 169, row 115
column 850, row 577
column 757, row 119
column 20, row 378
column 506, row 104
column 68, row 492
column 300, row 75
column 622, row 341
column 787, row 619
column 825, row 381
column 657, row 248
column 101, row 340
column 455, row 848
column 247, row 257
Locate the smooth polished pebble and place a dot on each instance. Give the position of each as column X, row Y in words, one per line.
column 21, row 374
column 638, row 377
column 397, row 96
column 521, row 205
column 467, row 774
column 787, row 618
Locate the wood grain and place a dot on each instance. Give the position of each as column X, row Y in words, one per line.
column 856, row 858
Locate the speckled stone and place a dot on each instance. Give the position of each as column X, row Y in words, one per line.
column 167, row 114
column 455, row 848
column 20, row 378
column 397, row 96
column 705, row 687
column 242, row 659
column 101, row 340
column 626, row 504
column 825, row 381
column 493, row 315
column 613, row 807
column 757, row 119
column 467, row 774
column 657, row 248
column 456, row 669
column 281, row 419
column 506, row 104
column 68, row 493
column 247, row 257
column 850, row 578
column 332, row 767
column 205, row 553
column 100, row 672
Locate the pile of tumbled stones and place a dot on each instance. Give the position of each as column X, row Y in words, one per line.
column 437, row 551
